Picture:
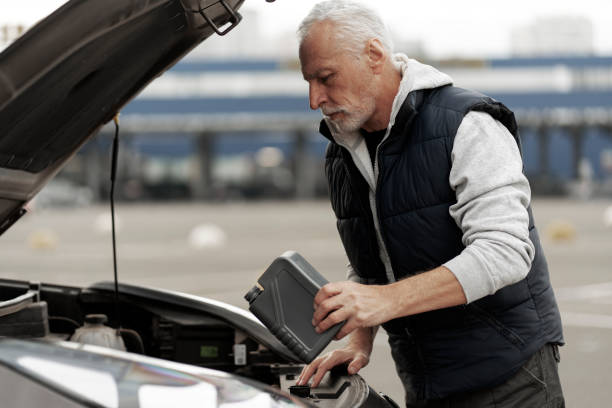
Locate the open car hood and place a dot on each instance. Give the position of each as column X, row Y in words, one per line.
column 72, row 73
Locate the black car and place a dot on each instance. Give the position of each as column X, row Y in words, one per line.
column 59, row 83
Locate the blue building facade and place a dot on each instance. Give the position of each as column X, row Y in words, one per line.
column 563, row 105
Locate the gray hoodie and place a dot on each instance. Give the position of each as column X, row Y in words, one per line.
column 492, row 192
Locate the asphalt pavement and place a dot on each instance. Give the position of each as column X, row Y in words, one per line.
column 219, row 250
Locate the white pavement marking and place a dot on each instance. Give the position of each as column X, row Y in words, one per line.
column 598, row 321
column 599, row 293
column 205, row 236
column 585, row 292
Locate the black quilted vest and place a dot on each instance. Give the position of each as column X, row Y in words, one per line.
column 459, row 348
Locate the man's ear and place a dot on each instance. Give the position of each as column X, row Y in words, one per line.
column 376, row 55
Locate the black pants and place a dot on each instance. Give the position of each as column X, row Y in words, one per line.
column 536, row 385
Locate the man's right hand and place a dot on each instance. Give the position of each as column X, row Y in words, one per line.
column 356, row 353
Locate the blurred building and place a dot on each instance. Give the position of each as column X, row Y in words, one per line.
column 218, row 126
column 248, row 41
column 9, row 33
column 554, row 36
column 231, row 128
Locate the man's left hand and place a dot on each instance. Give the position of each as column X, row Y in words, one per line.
column 359, row 305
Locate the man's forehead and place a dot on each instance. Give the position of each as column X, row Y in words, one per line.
column 319, row 51
column 318, row 73
column 314, row 66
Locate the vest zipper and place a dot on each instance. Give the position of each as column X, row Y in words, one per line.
column 384, row 253
column 375, row 210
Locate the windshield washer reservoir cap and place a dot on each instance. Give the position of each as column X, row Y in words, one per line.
column 96, row 318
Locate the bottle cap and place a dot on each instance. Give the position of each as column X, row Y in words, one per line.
column 96, row 318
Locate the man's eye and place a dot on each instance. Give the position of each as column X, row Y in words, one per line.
column 326, row 78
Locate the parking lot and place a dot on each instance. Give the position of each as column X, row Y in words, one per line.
column 219, row 250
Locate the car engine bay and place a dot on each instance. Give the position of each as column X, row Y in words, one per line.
column 175, row 327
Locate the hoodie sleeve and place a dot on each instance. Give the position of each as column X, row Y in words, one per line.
column 351, row 275
column 491, row 210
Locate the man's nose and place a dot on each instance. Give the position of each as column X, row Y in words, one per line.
column 317, row 96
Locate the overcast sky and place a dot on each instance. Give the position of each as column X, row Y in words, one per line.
column 447, row 28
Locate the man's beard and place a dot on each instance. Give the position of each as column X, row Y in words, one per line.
column 351, row 120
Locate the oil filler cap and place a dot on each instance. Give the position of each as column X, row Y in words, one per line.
column 302, row 391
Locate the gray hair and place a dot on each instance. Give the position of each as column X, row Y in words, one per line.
column 354, row 24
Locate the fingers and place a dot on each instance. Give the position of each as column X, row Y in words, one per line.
column 332, row 319
column 308, row 371
column 320, row 366
column 329, row 298
column 328, row 290
column 358, row 363
column 329, row 362
column 348, row 327
column 324, row 308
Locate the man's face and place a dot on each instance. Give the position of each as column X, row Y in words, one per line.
column 340, row 83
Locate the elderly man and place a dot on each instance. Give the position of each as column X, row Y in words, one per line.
column 433, row 210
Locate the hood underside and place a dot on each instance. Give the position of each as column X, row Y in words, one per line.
column 73, row 72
